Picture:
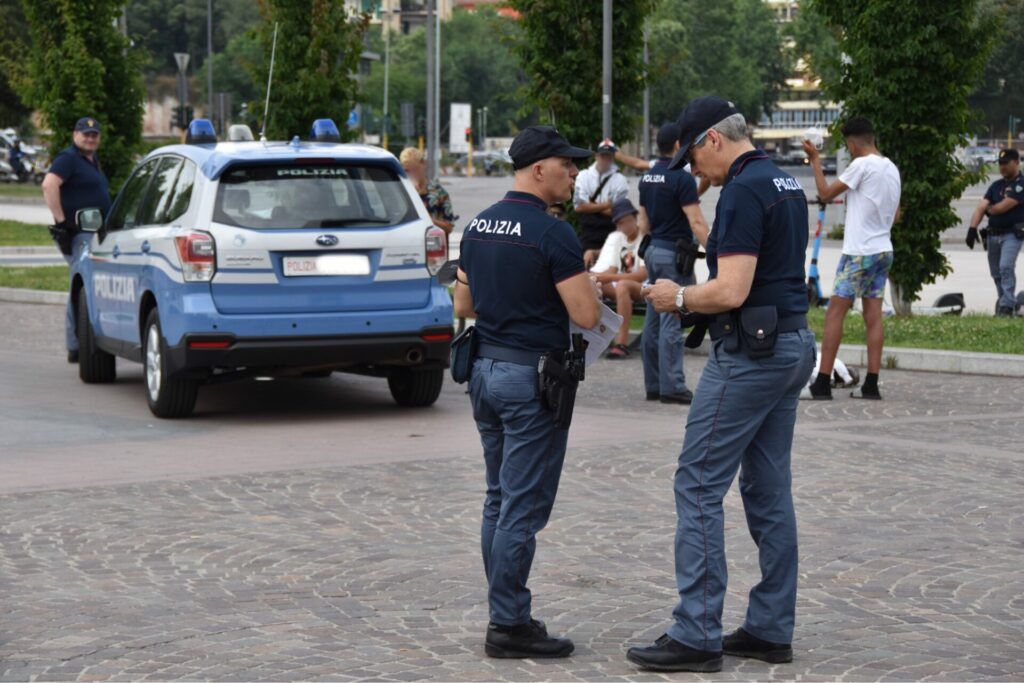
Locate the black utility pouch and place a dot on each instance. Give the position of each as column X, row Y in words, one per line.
column 63, row 237
column 645, row 242
column 1018, row 231
column 687, row 253
column 759, row 330
column 462, row 355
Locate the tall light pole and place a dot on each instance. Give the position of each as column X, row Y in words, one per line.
column 647, row 98
column 386, row 25
column 431, row 148
column 606, row 70
column 209, row 58
column 436, row 170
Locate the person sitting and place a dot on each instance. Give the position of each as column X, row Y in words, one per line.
column 620, row 271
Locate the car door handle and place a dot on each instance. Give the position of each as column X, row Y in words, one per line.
column 116, row 251
column 145, row 247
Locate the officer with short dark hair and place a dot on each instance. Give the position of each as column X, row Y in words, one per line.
column 522, row 275
column 1003, row 203
column 75, row 181
column 744, row 409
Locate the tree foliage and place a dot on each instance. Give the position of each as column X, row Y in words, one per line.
column 13, row 45
column 319, row 43
column 1000, row 94
column 560, row 53
column 730, row 48
column 80, row 65
column 909, row 68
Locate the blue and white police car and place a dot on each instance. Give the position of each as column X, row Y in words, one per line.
column 247, row 259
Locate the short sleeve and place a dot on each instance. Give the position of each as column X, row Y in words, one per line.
column 609, row 253
column 686, row 190
column 561, row 249
column 63, row 165
column 1015, row 190
column 581, row 194
column 740, row 225
column 620, row 188
column 853, row 174
column 992, row 193
column 443, row 204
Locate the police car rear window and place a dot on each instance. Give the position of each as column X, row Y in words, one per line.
column 311, row 196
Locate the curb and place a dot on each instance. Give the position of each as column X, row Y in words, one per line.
column 32, row 296
column 5, row 199
column 37, row 250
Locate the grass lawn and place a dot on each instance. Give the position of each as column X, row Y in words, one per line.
column 15, row 234
column 982, row 333
column 54, row 278
column 21, row 190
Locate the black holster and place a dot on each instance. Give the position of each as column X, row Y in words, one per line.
column 63, row 236
column 687, row 253
column 463, row 354
column 560, row 379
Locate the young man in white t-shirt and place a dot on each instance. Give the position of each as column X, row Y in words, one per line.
column 872, row 186
column 620, row 270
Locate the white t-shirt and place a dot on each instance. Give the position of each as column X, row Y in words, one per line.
column 620, row 253
column 589, row 179
column 871, row 204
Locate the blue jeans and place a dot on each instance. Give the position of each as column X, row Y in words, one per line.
column 1002, row 259
column 662, row 343
column 742, row 418
column 70, row 324
column 523, row 454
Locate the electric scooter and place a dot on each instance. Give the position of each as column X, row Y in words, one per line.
column 814, row 295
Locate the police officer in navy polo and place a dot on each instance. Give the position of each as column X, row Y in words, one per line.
column 1003, row 203
column 744, row 409
column 75, row 181
column 522, row 275
column 669, row 212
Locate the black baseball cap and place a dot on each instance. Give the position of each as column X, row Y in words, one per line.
column 667, row 135
column 606, row 146
column 622, row 208
column 540, row 142
column 700, row 115
column 1008, row 155
column 87, row 124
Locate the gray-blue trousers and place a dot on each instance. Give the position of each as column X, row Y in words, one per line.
column 742, row 418
column 662, row 342
column 1002, row 260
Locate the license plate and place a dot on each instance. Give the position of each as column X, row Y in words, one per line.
column 326, row 264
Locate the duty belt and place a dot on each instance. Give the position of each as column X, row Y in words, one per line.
column 518, row 356
column 722, row 325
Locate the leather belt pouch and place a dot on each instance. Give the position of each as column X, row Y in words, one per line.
column 462, row 355
column 759, row 330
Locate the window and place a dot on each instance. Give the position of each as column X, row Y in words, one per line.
column 154, row 209
column 123, row 215
column 311, row 196
column 178, row 204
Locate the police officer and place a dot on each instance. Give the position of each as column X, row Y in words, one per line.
column 744, row 410
column 522, row 275
column 75, row 181
column 1004, row 205
column 669, row 212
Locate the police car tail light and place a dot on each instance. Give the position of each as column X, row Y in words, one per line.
column 198, row 255
column 437, row 249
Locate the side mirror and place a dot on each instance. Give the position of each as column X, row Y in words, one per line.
column 446, row 275
column 89, row 220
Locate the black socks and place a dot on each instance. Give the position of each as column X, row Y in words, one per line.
column 870, row 383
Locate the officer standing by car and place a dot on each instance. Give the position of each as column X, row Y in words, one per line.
column 670, row 213
column 75, row 181
column 744, row 410
column 521, row 274
column 1003, row 203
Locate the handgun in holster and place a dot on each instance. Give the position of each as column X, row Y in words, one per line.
column 687, row 253
column 559, row 380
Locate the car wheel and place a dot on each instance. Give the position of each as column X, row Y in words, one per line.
column 415, row 387
column 95, row 366
column 168, row 396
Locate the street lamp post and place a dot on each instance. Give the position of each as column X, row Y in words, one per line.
column 387, row 67
column 606, row 70
column 209, row 59
column 431, row 148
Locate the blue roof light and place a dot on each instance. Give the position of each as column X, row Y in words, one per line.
column 324, row 130
column 200, row 132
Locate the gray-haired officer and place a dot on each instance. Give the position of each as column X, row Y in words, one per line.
column 744, row 409
column 522, row 275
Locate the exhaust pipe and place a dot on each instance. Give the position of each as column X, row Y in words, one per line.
column 414, row 356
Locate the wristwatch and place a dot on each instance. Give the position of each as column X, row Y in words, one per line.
column 681, row 300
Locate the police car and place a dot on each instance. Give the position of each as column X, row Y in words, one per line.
column 246, row 259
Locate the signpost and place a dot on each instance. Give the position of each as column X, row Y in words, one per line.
column 459, row 128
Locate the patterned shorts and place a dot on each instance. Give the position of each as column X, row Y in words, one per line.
column 862, row 277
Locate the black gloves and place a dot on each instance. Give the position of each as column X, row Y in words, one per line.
column 972, row 237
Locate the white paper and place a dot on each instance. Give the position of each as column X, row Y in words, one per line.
column 600, row 335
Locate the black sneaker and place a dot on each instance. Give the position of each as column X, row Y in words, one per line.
column 525, row 641
column 670, row 655
column 653, row 396
column 866, row 393
column 685, row 398
column 820, row 393
column 72, row 357
column 739, row 643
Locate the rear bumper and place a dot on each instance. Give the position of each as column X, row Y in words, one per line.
column 198, row 353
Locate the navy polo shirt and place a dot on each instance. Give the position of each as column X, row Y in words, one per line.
column 1000, row 190
column 763, row 212
column 663, row 194
column 514, row 254
column 84, row 187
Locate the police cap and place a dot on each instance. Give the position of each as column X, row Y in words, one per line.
column 1008, row 155
column 540, row 142
column 699, row 116
column 87, row 124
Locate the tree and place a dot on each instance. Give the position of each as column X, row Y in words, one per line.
column 909, row 67
column 80, row 65
column 560, row 53
column 319, row 43
column 13, row 46
column 1000, row 95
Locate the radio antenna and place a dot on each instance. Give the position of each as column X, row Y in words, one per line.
column 270, row 80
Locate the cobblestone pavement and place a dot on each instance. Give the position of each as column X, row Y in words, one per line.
column 912, row 547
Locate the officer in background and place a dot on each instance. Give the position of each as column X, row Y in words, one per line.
column 522, row 276
column 669, row 212
column 744, row 410
column 1003, row 203
column 75, row 181
column 598, row 187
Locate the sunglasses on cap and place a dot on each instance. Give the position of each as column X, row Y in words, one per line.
column 698, row 143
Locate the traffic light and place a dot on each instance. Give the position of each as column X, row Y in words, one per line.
column 181, row 116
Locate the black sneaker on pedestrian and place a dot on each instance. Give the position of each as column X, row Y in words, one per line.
column 1004, row 312
column 685, row 398
column 653, row 396
column 525, row 641
column 670, row 655
column 739, row 643
column 866, row 393
column 72, row 357
column 821, row 393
